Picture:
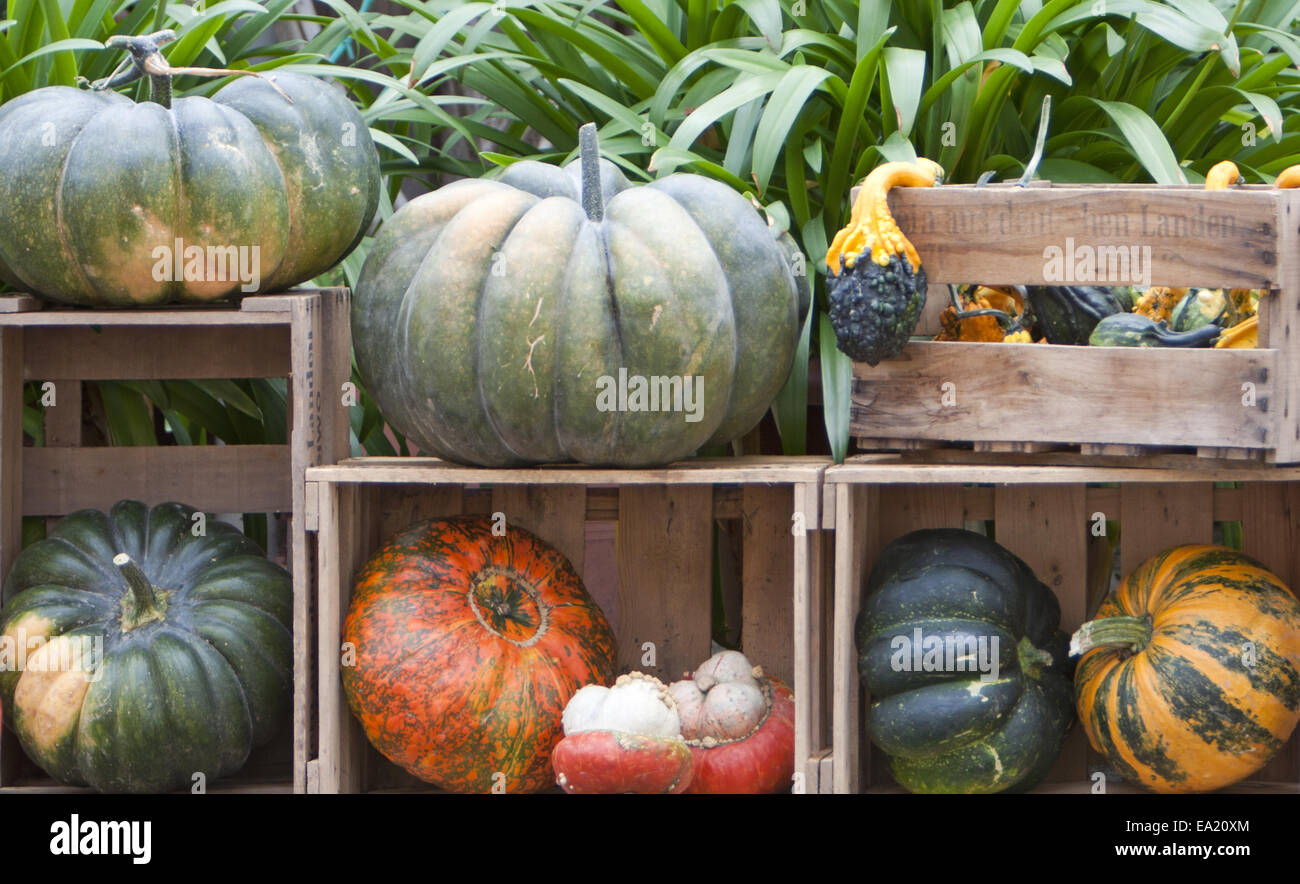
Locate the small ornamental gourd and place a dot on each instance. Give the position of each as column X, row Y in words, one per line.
column 149, row 652
column 959, row 645
column 560, row 314
column 739, row 724
column 1068, row 314
column 106, row 202
column 876, row 285
column 1189, row 678
column 469, row 644
column 1136, row 330
column 1242, row 336
column 627, row 738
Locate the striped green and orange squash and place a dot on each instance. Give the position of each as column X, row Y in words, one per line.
column 468, row 645
column 1190, row 674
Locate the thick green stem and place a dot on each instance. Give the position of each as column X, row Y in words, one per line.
column 160, row 89
column 1133, row 633
column 1032, row 660
column 593, row 202
column 148, row 605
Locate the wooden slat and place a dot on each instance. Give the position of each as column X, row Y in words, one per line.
column 1269, row 514
column 555, row 513
column 1047, row 526
column 305, row 408
column 1067, row 394
column 336, row 434
column 19, row 304
column 11, row 475
column 756, row 469
column 172, row 317
column 767, row 577
column 342, row 744
column 886, row 469
column 807, row 642
column 664, row 577
column 63, row 419
column 1164, row 458
column 904, row 509
column 1278, row 330
column 1270, row 532
column 853, row 519
column 213, row 478
column 11, row 445
column 155, row 352
column 1155, row 517
column 998, row 234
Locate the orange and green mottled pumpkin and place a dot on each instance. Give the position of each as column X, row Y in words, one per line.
column 468, row 646
column 1190, row 674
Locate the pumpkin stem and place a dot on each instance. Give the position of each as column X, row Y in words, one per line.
column 146, row 59
column 148, row 604
column 1133, row 632
column 1032, row 660
column 593, row 202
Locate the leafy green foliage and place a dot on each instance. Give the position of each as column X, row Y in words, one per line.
column 795, row 100
column 792, row 100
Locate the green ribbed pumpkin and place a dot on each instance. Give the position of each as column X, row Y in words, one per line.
column 94, row 187
column 492, row 315
column 946, row 726
column 154, row 654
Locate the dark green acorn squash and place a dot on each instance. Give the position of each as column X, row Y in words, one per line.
column 1067, row 314
column 939, row 604
column 875, row 283
column 1136, row 330
column 265, row 185
column 496, row 320
column 151, row 654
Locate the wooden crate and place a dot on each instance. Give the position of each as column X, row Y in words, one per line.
column 1045, row 515
column 665, row 527
column 1027, row 398
column 302, row 335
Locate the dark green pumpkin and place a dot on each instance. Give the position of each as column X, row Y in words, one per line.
column 1067, row 314
column 946, row 726
column 491, row 315
column 94, row 187
column 1136, row 330
column 176, row 662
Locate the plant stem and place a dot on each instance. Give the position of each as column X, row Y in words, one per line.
column 142, row 591
column 593, row 201
column 1133, row 632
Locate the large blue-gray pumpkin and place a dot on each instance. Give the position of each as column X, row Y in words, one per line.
column 109, row 202
column 513, row 321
